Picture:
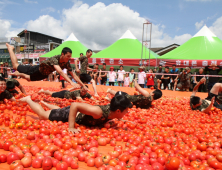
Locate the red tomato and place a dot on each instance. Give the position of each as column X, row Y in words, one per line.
column 14, row 164
column 12, row 157
column 3, row 158
column 47, row 163
column 26, row 161
column 62, row 166
column 172, row 163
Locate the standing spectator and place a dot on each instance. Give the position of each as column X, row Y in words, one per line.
column 103, row 75
column 184, row 79
column 112, row 76
column 132, row 76
column 2, row 70
column 121, row 73
column 198, row 78
column 126, row 80
column 166, row 78
column 213, row 70
column 141, row 76
column 155, row 79
column 174, row 78
column 5, row 70
column 150, row 79
column 9, row 72
column 159, row 80
column 62, row 79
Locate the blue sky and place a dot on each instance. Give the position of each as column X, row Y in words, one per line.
column 175, row 21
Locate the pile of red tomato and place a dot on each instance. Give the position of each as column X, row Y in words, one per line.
column 168, row 136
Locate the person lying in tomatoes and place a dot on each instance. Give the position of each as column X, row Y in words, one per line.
column 205, row 105
column 77, row 94
column 90, row 115
column 5, row 94
column 142, row 101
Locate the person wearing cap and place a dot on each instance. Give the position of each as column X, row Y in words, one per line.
column 141, row 76
column 90, row 115
column 142, row 101
column 103, row 75
column 41, row 71
column 10, row 86
column 184, row 77
column 112, row 76
column 212, row 69
column 84, row 77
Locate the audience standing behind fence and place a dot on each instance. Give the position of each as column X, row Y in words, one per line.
column 182, row 80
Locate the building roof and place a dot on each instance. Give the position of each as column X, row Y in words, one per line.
column 37, row 33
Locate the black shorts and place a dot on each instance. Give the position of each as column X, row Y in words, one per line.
column 111, row 83
column 33, row 71
column 85, row 78
column 60, row 114
column 59, row 94
column 120, row 81
column 104, row 80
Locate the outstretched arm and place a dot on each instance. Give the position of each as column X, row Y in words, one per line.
column 141, row 90
column 197, row 86
column 87, row 109
column 74, row 76
column 22, row 89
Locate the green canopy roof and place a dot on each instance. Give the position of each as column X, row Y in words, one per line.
column 203, row 46
column 127, row 47
column 73, row 43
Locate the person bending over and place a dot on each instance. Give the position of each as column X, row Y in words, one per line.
column 42, row 71
column 5, row 94
column 84, row 77
column 205, row 105
column 82, row 113
column 10, row 86
column 142, row 101
column 77, row 94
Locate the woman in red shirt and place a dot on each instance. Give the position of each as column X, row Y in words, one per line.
column 150, row 79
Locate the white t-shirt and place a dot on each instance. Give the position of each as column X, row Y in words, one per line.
column 112, row 76
column 126, row 81
column 120, row 75
column 141, row 77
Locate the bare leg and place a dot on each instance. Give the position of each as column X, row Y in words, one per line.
column 25, row 76
column 98, row 80
column 50, row 106
column 94, row 87
column 46, row 92
column 37, row 108
column 175, row 85
column 12, row 56
column 119, row 84
column 109, row 90
column 216, row 88
column 159, row 83
column 141, row 90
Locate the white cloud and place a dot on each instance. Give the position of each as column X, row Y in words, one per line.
column 216, row 27
column 4, row 27
column 198, row 25
column 31, row 2
column 48, row 10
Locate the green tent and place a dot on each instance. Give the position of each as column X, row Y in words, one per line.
column 127, row 51
column 73, row 43
column 202, row 49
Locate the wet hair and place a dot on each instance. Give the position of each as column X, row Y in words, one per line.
column 120, row 101
column 10, row 85
column 66, row 50
column 81, row 54
column 195, row 100
column 2, row 79
column 88, row 51
column 157, row 94
column 104, row 64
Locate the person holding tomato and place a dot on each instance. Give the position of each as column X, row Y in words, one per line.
column 142, row 101
column 205, row 105
column 90, row 115
column 77, row 94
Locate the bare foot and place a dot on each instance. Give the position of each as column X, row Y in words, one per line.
column 25, row 99
column 108, row 90
column 96, row 95
column 40, row 91
column 10, row 47
column 107, row 97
